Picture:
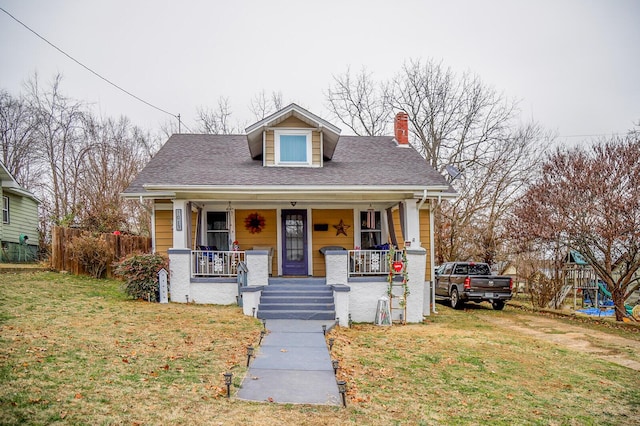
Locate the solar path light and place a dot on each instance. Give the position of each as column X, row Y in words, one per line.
column 249, row 354
column 227, row 381
column 342, row 388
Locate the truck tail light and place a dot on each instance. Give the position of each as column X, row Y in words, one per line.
column 467, row 283
column 510, row 283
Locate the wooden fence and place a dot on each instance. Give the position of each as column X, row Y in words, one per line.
column 121, row 246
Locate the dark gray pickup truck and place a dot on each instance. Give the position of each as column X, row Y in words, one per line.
column 462, row 282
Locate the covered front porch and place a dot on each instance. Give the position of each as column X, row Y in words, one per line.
column 355, row 292
column 226, row 252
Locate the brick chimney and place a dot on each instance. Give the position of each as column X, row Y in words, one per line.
column 401, row 128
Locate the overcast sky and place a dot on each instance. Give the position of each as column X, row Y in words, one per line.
column 573, row 64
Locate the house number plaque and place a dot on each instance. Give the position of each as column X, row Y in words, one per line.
column 178, row 219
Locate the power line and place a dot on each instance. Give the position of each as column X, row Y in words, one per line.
column 95, row 73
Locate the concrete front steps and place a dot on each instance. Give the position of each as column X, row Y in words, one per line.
column 297, row 298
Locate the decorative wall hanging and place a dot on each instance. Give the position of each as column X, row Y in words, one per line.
column 341, row 228
column 254, row 223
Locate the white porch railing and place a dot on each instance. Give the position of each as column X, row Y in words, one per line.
column 370, row 262
column 207, row 263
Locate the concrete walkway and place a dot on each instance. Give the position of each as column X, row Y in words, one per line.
column 293, row 365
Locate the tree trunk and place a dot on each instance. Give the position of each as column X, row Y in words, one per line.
column 618, row 302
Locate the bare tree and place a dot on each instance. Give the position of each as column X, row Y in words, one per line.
column 589, row 200
column 59, row 146
column 17, row 127
column 473, row 224
column 217, row 121
column 454, row 120
column 358, row 102
column 76, row 163
column 168, row 128
column 262, row 106
column 118, row 151
column 459, row 122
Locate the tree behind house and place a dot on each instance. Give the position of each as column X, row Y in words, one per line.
column 455, row 120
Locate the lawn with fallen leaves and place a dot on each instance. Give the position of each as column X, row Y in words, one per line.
column 74, row 350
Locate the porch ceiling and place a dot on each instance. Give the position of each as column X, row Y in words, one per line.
column 299, row 197
column 301, row 193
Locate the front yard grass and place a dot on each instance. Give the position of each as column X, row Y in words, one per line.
column 74, row 350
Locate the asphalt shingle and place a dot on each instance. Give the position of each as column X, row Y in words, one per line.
column 224, row 160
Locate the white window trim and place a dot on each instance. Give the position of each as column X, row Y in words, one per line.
column 297, row 132
column 5, row 203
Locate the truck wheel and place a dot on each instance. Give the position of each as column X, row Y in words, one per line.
column 455, row 299
column 497, row 304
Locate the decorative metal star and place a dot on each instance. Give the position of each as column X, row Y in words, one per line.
column 341, row 228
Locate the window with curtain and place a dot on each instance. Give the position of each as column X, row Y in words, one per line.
column 293, row 147
column 217, row 231
column 370, row 229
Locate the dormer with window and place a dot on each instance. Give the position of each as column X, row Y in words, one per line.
column 292, row 137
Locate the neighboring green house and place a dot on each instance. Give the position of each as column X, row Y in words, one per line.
column 19, row 225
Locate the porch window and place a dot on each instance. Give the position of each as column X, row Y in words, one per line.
column 370, row 229
column 293, row 147
column 5, row 209
column 218, row 230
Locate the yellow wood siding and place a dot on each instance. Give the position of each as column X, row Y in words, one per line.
column 424, row 236
column 164, row 230
column 398, row 228
column 194, row 223
column 268, row 237
column 269, row 149
column 316, row 159
column 426, row 240
column 329, row 237
column 293, row 122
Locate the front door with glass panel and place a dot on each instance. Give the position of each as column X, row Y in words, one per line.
column 294, row 242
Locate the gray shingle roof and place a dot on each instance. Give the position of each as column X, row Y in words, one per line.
column 224, row 160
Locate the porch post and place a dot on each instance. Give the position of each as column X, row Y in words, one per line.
column 258, row 266
column 180, row 267
column 181, row 216
column 336, row 266
column 412, row 222
column 416, row 268
column 337, row 275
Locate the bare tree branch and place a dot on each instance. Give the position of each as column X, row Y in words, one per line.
column 217, row 121
column 358, row 103
column 589, row 200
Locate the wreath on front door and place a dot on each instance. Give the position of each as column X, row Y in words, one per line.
column 254, row 223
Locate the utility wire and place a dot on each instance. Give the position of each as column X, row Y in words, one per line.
column 95, row 73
